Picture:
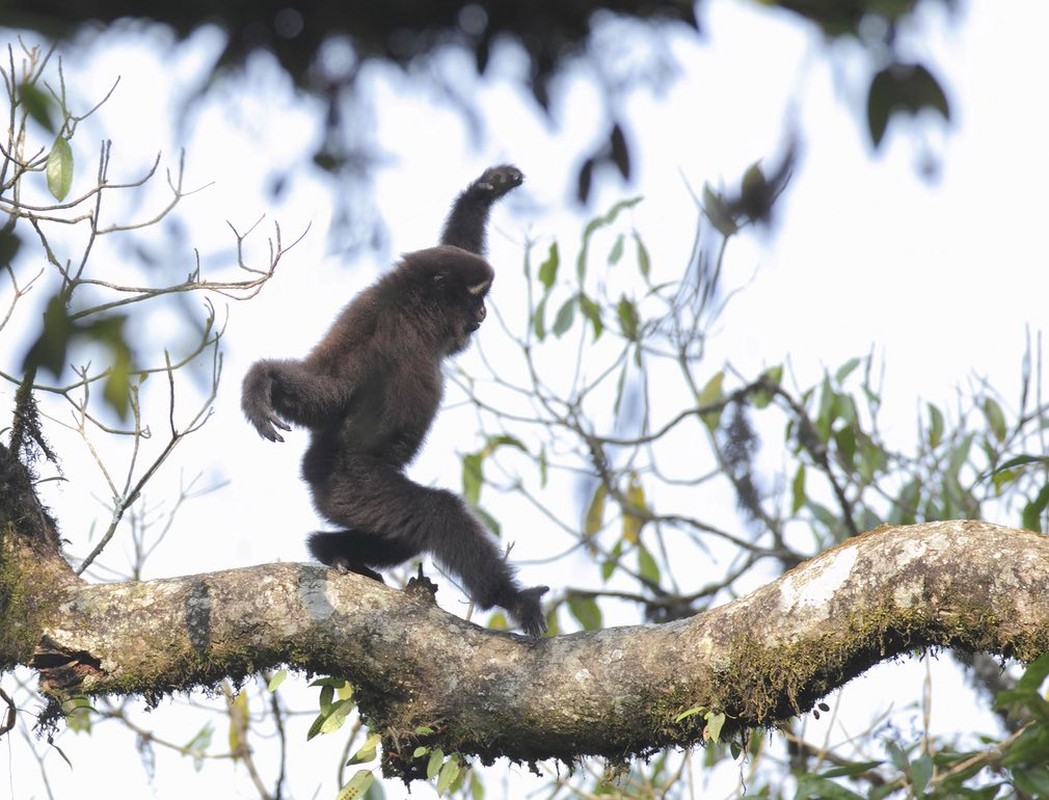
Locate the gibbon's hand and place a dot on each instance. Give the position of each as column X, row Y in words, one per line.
column 497, row 181
column 257, row 403
column 267, row 425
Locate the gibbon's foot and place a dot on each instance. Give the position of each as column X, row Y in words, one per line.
column 528, row 611
column 497, row 181
column 344, row 567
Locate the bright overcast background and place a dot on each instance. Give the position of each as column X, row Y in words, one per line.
column 929, row 252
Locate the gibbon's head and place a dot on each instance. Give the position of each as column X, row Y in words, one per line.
column 452, row 283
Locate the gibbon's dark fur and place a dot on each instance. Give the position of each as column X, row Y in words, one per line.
column 368, row 393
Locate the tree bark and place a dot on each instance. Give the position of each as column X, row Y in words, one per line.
column 759, row 659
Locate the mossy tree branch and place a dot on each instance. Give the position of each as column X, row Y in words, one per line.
column 759, row 659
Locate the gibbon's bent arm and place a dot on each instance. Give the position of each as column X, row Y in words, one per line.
column 278, row 392
column 468, row 219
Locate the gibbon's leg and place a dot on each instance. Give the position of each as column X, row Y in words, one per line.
column 367, row 494
column 468, row 219
column 276, row 392
column 358, row 551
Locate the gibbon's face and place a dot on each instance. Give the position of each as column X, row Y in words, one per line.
column 469, row 315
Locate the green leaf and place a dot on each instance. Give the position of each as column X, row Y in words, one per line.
column 626, row 310
column 646, row 566
column 797, row 490
column 709, row 395
column 856, row 768
column 592, row 311
column 935, row 435
column 608, row 566
column 358, row 786
column 326, row 697
column 595, row 224
column 1020, row 461
column 616, row 253
column 367, row 751
column 548, row 269
column 446, row 777
column 845, row 370
column 59, row 169
column 810, row 786
column 644, row 261
column 635, row 499
column 995, row 418
column 539, row 320
column 586, row 611
column 1032, row 513
column 595, row 512
column 715, row 722
column 277, row 679
column 921, row 773
column 565, row 315
column 689, row 712
column 337, row 716
column 433, row 766
column 773, row 376
column 197, row 747
column 473, row 477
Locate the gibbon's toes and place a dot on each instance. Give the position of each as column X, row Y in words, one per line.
column 528, row 611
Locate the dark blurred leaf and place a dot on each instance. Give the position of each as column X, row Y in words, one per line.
column 620, row 153
column 50, row 348
column 584, row 180
column 9, row 245
column 38, row 104
column 902, row 87
column 718, row 212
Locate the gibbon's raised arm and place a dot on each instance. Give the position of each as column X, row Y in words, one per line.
column 368, row 393
column 468, row 220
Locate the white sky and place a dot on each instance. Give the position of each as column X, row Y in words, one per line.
column 941, row 277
